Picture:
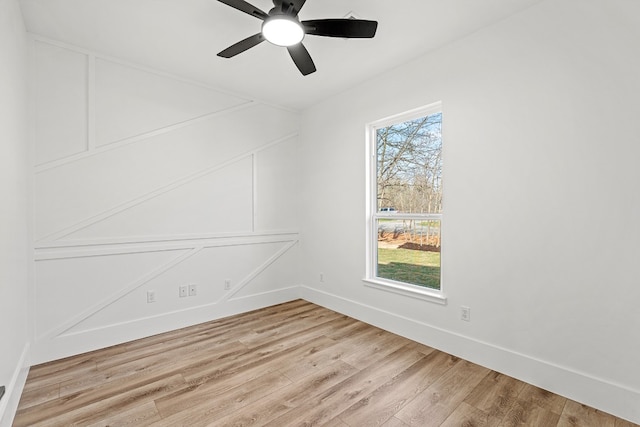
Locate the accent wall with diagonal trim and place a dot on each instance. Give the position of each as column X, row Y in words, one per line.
column 146, row 182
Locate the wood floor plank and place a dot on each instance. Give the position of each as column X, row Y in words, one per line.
column 122, row 402
column 344, row 349
column 578, row 415
column 394, row 422
column 184, row 344
column 424, row 349
column 231, row 378
column 214, row 406
column 288, row 365
column 139, row 416
column 386, row 401
column 336, row 422
column 282, row 401
column 95, row 404
column 216, row 328
column 264, row 334
column 326, row 406
column 156, row 365
column 467, row 415
column 352, row 329
column 528, row 413
column 543, row 398
column 277, row 348
column 187, row 343
column 85, row 361
column 495, row 395
column 316, row 361
column 374, row 348
column 436, row 403
column 47, row 375
column 280, row 350
column 35, row 396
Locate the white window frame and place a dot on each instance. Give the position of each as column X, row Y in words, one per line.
column 371, row 279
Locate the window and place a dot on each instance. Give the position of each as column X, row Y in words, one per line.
column 405, row 203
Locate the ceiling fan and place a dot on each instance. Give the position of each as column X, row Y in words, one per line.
column 282, row 27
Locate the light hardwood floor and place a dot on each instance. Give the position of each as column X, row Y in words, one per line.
column 293, row 364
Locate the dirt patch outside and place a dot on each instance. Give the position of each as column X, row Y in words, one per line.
column 408, row 241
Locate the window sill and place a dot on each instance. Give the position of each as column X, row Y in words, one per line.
column 433, row 296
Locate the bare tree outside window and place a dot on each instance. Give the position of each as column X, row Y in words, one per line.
column 409, row 167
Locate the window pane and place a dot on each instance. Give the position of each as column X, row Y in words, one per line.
column 409, row 166
column 409, row 251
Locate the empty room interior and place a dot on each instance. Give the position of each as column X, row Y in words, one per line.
column 154, row 191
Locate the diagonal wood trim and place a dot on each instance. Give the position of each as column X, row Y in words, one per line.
column 77, row 319
column 93, row 151
column 43, row 39
column 257, row 271
column 155, row 193
column 61, row 331
column 157, row 243
column 92, row 56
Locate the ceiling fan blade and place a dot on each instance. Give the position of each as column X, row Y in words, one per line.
column 346, row 28
column 302, row 59
column 242, row 45
column 245, row 7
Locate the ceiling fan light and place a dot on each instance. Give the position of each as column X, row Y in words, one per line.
column 282, row 30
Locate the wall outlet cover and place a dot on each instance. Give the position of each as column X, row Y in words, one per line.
column 465, row 313
column 151, row 296
column 183, row 291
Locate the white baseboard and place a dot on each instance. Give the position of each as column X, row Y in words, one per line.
column 13, row 392
column 612, row 398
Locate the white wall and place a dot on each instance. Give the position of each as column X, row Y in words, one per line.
column 146, row 182
column 541, row 208
column 14, row 207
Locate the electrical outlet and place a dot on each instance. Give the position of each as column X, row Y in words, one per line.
column 183, row 291
column 193, row 290
column 465, row 313
column 151, row 296
column 227, row 284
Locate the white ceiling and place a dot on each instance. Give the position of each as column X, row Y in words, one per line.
column 182, row 37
